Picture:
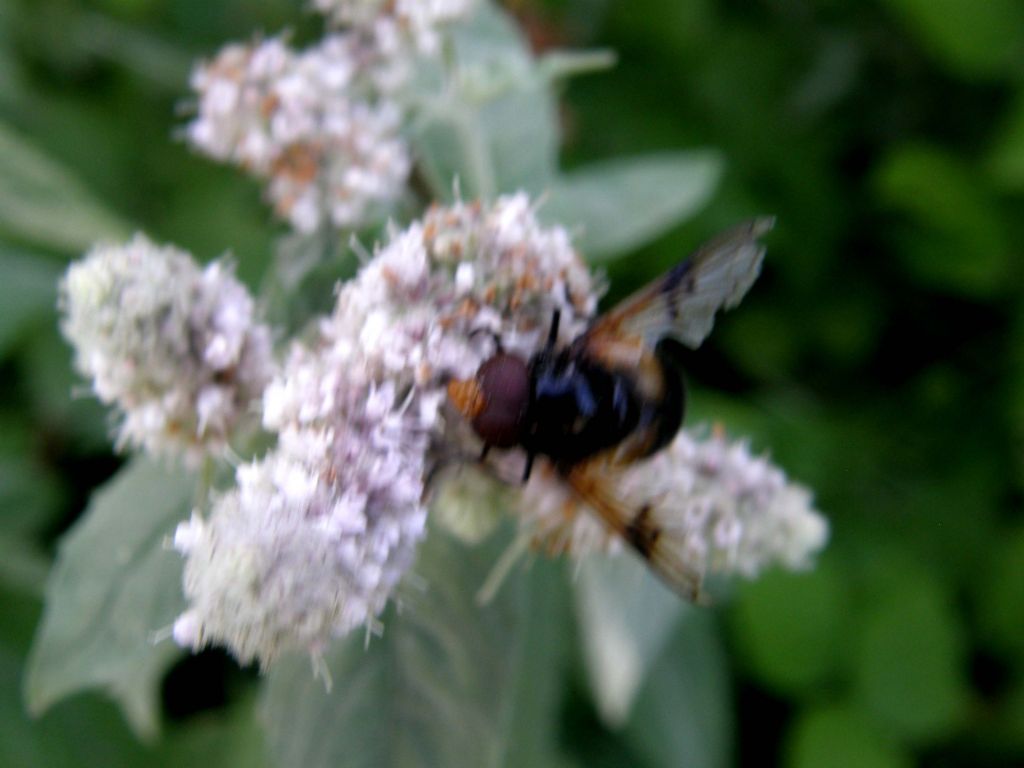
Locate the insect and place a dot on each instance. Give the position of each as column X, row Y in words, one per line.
column 615, row 395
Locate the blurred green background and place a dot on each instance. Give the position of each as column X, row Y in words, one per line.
column 880, row 358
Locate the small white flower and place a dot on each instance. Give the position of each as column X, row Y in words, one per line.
column 175, row 346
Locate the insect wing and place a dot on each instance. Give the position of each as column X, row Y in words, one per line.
column 682, row 302
column 642, row 527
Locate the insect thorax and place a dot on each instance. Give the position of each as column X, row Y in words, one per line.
column 577, row 408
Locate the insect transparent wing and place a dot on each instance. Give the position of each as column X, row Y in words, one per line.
column 642, row 527
column 682, row 302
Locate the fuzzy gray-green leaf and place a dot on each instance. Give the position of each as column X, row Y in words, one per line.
column 497, row 131
column 683, row 714
column 619, row 205
column 625, row 617
column 114, row 585
column 438, row 688
column 41, row 202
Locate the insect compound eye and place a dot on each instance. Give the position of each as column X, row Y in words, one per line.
column 504, row 387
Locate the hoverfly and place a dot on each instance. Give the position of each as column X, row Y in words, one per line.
column 615, row 394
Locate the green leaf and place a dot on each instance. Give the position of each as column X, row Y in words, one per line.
column 788, row 628
column 133, row 47
column 43, row 203
column 1007, row 724
column 909, row 667
column 28, row 292
column 84, row 733
column 438, row 689
column 302, row 280
column 441, row 143
column 839, row 737
column 955, row 238
column 87, row 731
column 496, row 131
column 229, row 738
column 114, row 585
column 971, row 38
column 625, row 618
column 57, row 395
column 1001, row 595
column 22, row 567
column 683, row 715
column 617, row 206
column 546, row 649
column 1005, row 161
column 21, row 617
column 31, row 491
column 563, row 64
column 516, row 112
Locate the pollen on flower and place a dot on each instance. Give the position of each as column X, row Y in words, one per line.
column 175, row 346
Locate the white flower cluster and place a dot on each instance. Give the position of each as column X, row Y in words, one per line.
column 720, row 509
column 417, row 19
column 310, row 123
column 175, row 346
column 322, row 125
column 317, row 535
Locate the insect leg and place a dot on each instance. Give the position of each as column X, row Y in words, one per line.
column 556, row 318
column 529, row 467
